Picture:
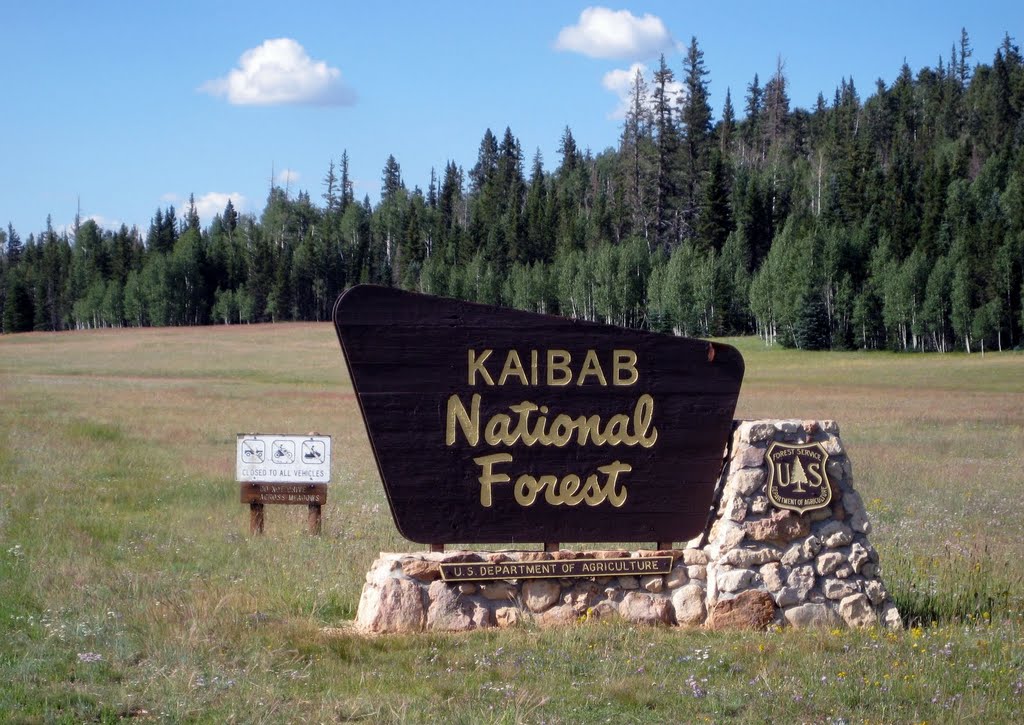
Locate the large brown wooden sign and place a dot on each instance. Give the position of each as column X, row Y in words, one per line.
column 500, row 426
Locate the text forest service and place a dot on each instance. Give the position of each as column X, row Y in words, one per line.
column 493, row 425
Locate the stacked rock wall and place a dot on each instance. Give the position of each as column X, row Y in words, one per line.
column 757, row 566
column 818, row 567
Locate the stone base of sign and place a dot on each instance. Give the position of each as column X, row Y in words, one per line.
column 756, row 567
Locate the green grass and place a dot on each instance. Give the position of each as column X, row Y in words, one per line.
column 130, row 590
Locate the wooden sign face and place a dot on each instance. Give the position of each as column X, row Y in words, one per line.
column 492, row 425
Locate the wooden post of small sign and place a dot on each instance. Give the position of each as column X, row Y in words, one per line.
column 256, row 518
column 285, row 469
column 315, row 520
column 664, row 545
column 550, row 546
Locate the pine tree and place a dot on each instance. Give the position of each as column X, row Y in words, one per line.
column 330, row 195
column 798, row 477
column 695, row 115
column 666, row 136
column 727, row 126
column 752, row 123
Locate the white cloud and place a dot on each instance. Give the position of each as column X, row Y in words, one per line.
column 280, row 72
column 287, row 177
column 605, row 33
column 212, row 203
column 620, row 82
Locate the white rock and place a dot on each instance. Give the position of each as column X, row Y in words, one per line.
column 694, row 556
column 540, row 594
column 759, row 505
column 653, row 583
column 747, row 481
column 734, row 580
column 753, row 556
column 828, row 562
column 857, row 611
column 833, row 446
column 735, row 509
column 697, row 572
column 394, row 606
column 689, row 606
column 805, row 616
column 645, row 609
column 858, row 557
column 875, row 591
column 726, row 534
column 677, row 577
column 838, row 588
column 507, row 616
column 772, row 575
column 835, row 534
column 756, row 432
column 788, row 596
column 794, row 554
column 801, row 578
column 890, row 616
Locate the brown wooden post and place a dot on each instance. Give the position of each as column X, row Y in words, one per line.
column 437, row 548
column 256, row 519
column 315, row 519
column 550, row 546
column 663, row 545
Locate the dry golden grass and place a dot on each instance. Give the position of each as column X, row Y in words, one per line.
column 121, row 536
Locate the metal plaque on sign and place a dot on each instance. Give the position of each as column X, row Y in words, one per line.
column 797, row 479
column 566, row 568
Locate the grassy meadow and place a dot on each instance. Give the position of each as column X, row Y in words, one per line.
column 130, row 589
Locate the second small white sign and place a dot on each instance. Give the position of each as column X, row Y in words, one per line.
column 272, row 458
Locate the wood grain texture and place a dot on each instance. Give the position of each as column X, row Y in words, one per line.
column 408, row 354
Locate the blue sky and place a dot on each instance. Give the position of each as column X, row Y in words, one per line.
column 130, row 106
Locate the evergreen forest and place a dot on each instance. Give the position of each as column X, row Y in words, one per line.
column 890, row 217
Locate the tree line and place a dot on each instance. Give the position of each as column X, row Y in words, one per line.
column 895, row 221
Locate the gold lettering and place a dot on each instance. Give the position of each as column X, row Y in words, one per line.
column 615, row 497
column 643, row 416
column 624, row 361
column 533, row 367
column 498, row 430
column 558, row 360
column 470, row 422
column 478, row 365
column 569, row 490
column 814, row 471
column 488, row 477
column 617, row 430
column 503, row 429
column 591, row 366
column 527, row 487
column 513, row 366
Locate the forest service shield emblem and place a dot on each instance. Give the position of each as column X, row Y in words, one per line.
column 797, row 479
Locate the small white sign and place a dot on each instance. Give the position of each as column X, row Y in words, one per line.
column 268, row 458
